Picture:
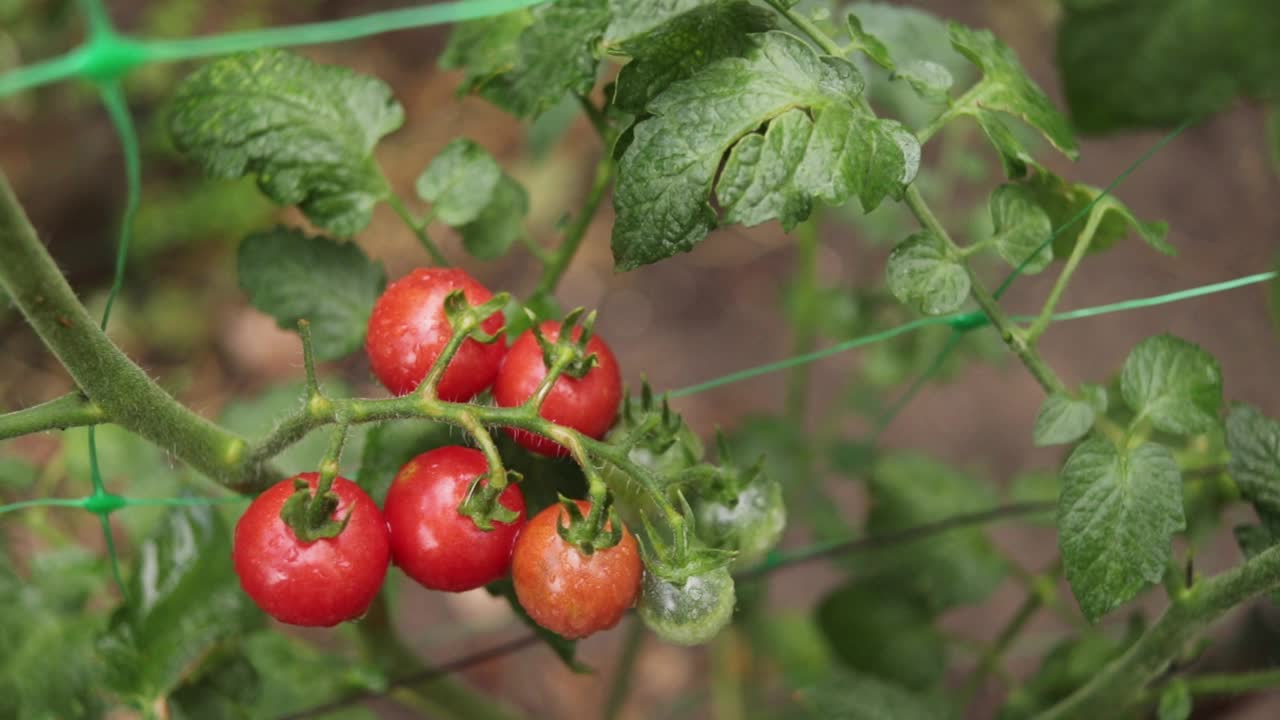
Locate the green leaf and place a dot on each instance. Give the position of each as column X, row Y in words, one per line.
column 959, row 568
column 1065, row 419
column 390, row 445
column 855, row 696
column 459, row 182
column 1175, row 701
column 306, row 131
column 1066, row 201
column 1006, row 87
column 485, row 47
column 184, row 601
column 1116, row 515
column 1253, row 440
column 564, row 648
column 884, row 634
column 666, row 174
column 1013, row 155
column 332, row 285
column 1067, row 666
column 255, row 416
column 794, row 643
column 870, row 45
column 630, row 19
column 225, row 688
column 923, row 274
column 677, row 49
column 930, row 80
column 1174, row 384
column 500, row 224
column 298, row 677
column 1022, row 228
column 1186, row 59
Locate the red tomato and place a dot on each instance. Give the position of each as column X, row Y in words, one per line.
column 434, row 544
column 408, row 329
column 321, row 583
column 588, row 404
column 565, row 591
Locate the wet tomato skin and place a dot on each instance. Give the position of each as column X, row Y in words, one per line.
column 565, row 591
column 588, row 404
column 408, row 329
column 317, row 584
column 434, row 544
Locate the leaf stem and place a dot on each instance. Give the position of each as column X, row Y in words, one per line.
column 70, row 410
column 418, row 228
column 1083, row 242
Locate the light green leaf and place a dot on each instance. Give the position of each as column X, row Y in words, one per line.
column 922, row 274
column 1253, row 440
column 929, row 79
column 1065, row 201
column 883, row 634
column 1174, row 384
column 870, row 45
column 855, row 696
column 1022, row 229
column 485, row 47
column 1013, row 156
column 306, row 131
column 459, row 182
column 1064, row 419
column 1006, row 87
column 390, row 445
column 630, row 19
column 500, row 224
column 1186, row 59
column 757, row 185
column 666, row 173
column 677, row 49
column 332, row 285
column 1116, row 515
column 1175, row 701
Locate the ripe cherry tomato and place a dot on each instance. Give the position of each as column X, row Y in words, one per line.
column 588, row 404
column 752, row 523
column 409, row 328
column 321, row 583
column 565, row 591
column 690, row 613
column 430, row 540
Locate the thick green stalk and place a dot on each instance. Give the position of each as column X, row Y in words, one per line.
column 71, row 410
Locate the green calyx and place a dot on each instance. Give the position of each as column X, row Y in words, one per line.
column 310, row 515
column 568, row 354
column 682, row 556
column 481, row 503
column 599, row 529
column 651, row 425
column 468, row 320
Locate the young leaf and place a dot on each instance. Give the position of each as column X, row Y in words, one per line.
column 930, row 80
column 870, row 45
column 1116, row 515
column 1064, row 419
column 1253, row 440
column 291, row 276
column 1175, row 701
column 500, row 224
column 1022, row 229
column 666, row 174
column 1204, row 56
column 306, row 131
column 1005, row 86
column 922, row 274
column 459, row 182
column 883, row 634
column 485, row 47
column 854, row 696
column 1065, row 201
column 1174, row 384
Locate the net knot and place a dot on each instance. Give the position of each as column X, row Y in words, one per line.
column 969, row 321
column 104, row 503
column 109, row 57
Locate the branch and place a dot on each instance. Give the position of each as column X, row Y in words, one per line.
column 68, row 411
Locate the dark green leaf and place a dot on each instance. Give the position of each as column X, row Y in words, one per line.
column 1013, row 156
column 929, row 79
column 306, row 131
column 332, row 285
column 958, row 568
column 666, row 174
column 681, row 47
column 459, row 182
column 883, row 633
column 565, row 649
column 485, row 48
column 256, row 416
column 1254, row 442
column 871, row 46
column 854, row 696
column 923, row 274
column 1065, row 419
column 1066, row 201
column 1174, row 384
column 1175, row 701
column 296, row 677
column 224, row 690
column 500, row 224
column 633, row 18
column 1185, row 59
column 390, row 445
column 1116, row 515
column 184, row 601
column 1006, row 87
column 1022, row 229
column 792, row 641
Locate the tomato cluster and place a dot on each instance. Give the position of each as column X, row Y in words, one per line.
column 446, row 528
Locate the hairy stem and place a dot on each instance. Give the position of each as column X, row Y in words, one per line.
column 71, row 410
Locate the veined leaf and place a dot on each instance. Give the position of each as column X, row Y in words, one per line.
column 922, row 274
column 459, row 182
column 1174, row 384
column 1064, row 419
column 1022, row 229
column 1254, row 442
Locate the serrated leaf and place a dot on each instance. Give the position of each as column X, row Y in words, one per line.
column 666, row 174
column 1065, row 201
column 390, row 445
column 883, row 634
column 1253, row 440
column 484, row 47
column 630, row 19
column 291, row 276
column 869, row 44
column 459, row 182
column 1064, row 419
column 500, row 224
column 1174, row 384
column 959, row 568
column 1006, row 87
column 1116, row 517
column 757, row 185
column 1022, row 229
column 1202, row 57
column 1013, row 156
column 1175, row 701
column 564, row 648
column 855, row 696
column 306, row 131
column 921, row 273
column 930, row 80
